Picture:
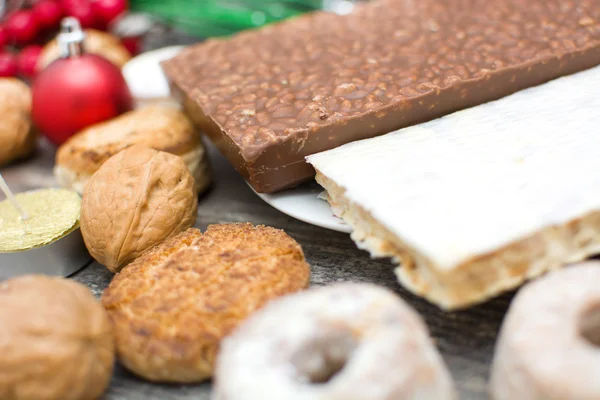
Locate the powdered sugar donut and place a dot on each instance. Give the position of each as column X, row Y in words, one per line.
column 548, row 344
column 346, row 342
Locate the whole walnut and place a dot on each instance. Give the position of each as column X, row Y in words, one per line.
column 137, row 199
column 95, row 42
column 56, row 341
column 17, row 134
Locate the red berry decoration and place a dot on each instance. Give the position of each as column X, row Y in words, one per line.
column 77, row 90
column 48, row 13
column 82, row 10
column 8, row 65
column 27, row 61
column 106, row 11
column 3, row 37
column 22, row 27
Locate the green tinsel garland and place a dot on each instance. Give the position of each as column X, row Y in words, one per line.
column 222, row 17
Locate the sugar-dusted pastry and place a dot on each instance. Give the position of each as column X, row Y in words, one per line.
column 474, row 203
column 548, row 344
column 137, row 199
column 163, row 128
column 172, row 306
column 344, row 342
column 17, row 134
column 56, row 341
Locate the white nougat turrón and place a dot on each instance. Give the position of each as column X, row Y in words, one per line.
column 473, row 182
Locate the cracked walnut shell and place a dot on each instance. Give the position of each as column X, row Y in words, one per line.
column 17, row 134
column 172, row 306
column 136, row 200
column 56, row 341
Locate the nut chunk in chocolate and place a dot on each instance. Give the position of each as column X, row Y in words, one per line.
column 270, row 97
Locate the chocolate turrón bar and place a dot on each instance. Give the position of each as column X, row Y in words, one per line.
column 268, row 98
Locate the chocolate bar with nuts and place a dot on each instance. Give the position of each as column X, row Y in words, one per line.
column 270, row 97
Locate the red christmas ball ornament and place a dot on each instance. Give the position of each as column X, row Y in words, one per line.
column 77, row 90
column 22, row 27
column 27, row 61
column 82, row 10
column 3, row 37
column 48, row 13
column 106, row 11
column 8, row 65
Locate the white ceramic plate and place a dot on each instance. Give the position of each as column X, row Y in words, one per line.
column 144, row 75
column 147, row 81
column 304, row 203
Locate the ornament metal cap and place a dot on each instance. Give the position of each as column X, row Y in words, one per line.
column 131, row 25
column 71, row 38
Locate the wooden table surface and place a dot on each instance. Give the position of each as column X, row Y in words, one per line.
column 465, row 339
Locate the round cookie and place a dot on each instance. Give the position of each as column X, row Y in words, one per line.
column 56, row 341
column 162, row 128
column 172, row 306
column 343, row 342
column 548, row 347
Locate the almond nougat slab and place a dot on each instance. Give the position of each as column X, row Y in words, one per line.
column 477, row 202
